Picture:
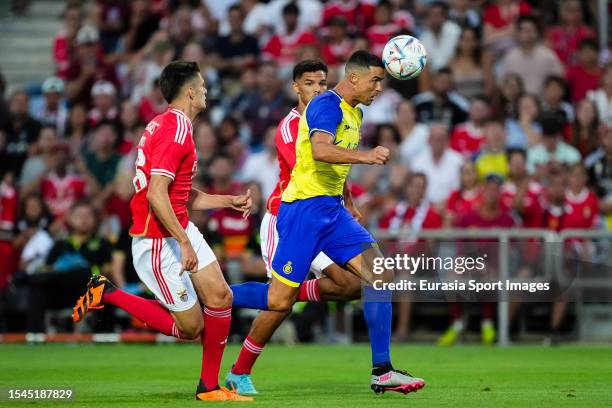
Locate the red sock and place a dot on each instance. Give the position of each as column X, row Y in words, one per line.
column 309, row 291
column 150, row 312
column 488, row 310
column 216, row 329
column 247, row 357
column 455, row 311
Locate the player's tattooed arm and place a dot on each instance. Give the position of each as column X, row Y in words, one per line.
column 204, row 201
column 324, row 150
column 159, row 200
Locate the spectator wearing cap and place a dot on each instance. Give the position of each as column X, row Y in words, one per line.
column 21, row 132
column 531, row 60
column 442, row 103
column 440, row 164
column 440, row 36
column 552, row 151
column 104, row 109
column 283, row 46
column 53, row 112
column 237, row 49
column 87, row 67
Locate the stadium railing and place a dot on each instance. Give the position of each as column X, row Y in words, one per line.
column 551, row 260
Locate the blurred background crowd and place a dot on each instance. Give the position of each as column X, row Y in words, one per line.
column 509, row 126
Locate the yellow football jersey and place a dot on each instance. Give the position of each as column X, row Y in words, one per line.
column 327, row 113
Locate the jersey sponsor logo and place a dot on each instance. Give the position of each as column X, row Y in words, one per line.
column 288, row 268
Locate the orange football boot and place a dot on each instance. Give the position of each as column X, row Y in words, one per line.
column 222, row 394
column 92, row 299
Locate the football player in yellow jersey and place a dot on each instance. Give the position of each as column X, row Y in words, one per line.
column 312, row 217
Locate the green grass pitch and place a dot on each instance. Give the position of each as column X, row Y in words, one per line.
column 316, row 376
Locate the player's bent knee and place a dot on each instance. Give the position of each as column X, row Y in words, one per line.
column 279, row 304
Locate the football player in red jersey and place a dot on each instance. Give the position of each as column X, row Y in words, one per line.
column 333, row 282
column 166, row 244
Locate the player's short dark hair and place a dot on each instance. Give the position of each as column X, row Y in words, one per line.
column 363, row 59
column 309, row 65
column 174, row 76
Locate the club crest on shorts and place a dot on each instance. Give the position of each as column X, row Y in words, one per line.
column 287, row 268
column 182, row 294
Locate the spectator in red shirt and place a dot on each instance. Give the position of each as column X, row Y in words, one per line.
column 282, row 47
column 585, row 75
column 387, row 23
column 520, row 193
column 87, row 67
column 9, row 202
column 65, row 40
column 61, row 188
column 339, row 46
column 466, row 199
column 499, row 20
column 468, row 138
column 565, row 37
column 358, row 14
column 574, row 207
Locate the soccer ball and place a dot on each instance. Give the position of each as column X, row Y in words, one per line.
column 404, row 57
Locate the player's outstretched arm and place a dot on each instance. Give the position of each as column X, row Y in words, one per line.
column 159, row 200
column 204, row 201
column 324, row 150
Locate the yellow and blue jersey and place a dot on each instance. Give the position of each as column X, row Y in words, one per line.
column 327, row 113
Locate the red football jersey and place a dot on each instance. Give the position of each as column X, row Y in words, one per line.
column 532, row 208
column 286, row 136
column 467, row 139
column 460, row 203
column 581, row 210
column 61, row 193
column 167, row 149
column 9, row 203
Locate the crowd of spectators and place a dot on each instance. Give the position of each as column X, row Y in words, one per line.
column 516, row 98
